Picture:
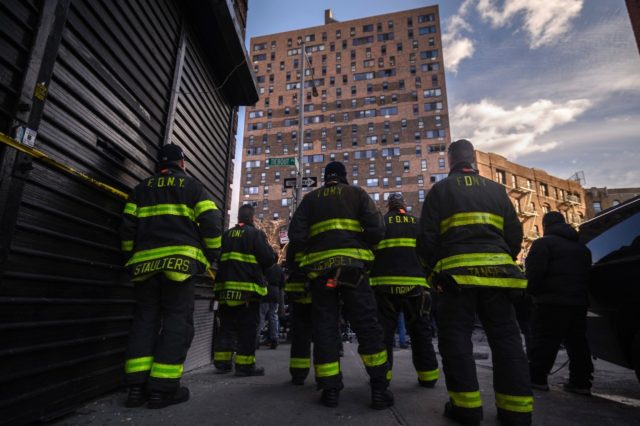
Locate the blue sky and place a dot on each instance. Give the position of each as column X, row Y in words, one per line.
column 548, row 84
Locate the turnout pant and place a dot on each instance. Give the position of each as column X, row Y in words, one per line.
column 456, row 317
column 552, row 325
column 161, row 333
column 418, row 323
column 301, row 329
column 239, row 321
column 360, row 306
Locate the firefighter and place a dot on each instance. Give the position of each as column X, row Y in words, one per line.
column 240, row 283
column 299, row 298
column 170, row 233
column 331, row 235
column 470, row 237
column 400, row 284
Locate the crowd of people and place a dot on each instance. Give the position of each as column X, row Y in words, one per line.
column 458, row 260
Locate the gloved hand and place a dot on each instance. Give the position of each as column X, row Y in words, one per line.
column 445, row 283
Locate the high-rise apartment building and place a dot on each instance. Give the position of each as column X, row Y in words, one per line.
column 380, row 108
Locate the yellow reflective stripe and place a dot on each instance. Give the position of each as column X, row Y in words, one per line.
column 491, row 281
column 157, row 253
column 222, row 356
column 294, row 287
column 126, row 245
column 474, row 259
column 395, row 242
column 300, row 362
column 374, row 360
column 232, row 303
column 304, row 301
column 519, row 404
column 466, row 399
column 130, row 208
column 204, row 206
column 166, row 209
column 391, row 280
column 241, row 286
column 213, row 243
column 333, row 225
column 240, row 257
column 327, row 370
column 135, row 365
column 389, row 375
column 361, row 254
column 176, row 276
column 429, row 375
column 166, row 371
column 245, row 359
column 472, row 218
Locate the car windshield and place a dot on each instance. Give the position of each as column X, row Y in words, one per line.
column 619, row 236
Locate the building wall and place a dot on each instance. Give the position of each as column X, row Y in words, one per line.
column 633, row 7
column 534, row 192
column 410, row 132
column 599, row 199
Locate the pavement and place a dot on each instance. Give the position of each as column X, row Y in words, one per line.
column 273, row 400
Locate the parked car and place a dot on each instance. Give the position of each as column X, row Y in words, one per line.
column 613, row 322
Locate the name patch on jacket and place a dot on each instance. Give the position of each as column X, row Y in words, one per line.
column 329, row 191
column 470, row 180
column 168, row 263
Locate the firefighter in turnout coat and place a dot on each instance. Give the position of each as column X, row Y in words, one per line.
column 240, row 284
column 470, row 236
column 170, row 232
column 400, row 284
column 331, row 235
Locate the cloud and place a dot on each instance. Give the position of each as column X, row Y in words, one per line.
column 545, row 21
column 457, row 47
column 513, row 132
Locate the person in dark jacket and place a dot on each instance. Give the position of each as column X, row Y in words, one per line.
column 331, row 236
column 557, row 268
column 240, row 284
column 170, row 233
column 470, row 239
column 400, row 284
column 270, row 303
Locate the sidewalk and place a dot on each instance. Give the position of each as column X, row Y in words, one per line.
column 273, row 400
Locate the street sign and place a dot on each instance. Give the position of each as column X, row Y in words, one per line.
column 284, row 161
column 307, row 182
column 284, row 237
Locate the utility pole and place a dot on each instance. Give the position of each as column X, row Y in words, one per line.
column 298, row 189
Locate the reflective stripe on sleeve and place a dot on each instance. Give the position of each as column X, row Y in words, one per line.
column 130, row 208
column 126, row 245
column 213, row 243
column 204, row 206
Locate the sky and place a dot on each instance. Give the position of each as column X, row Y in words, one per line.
column 553, row 85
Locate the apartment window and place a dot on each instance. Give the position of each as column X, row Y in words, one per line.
column 423, row 165
column 372, row 169
column 354, row 170
column 544, row 190
column 441, row 164
column 372, row 182
column 501, row 176
column 418, row 151
column 398, row 182
column 421, row 194
column 597, row 206
column 420, row 181
column 405, row 166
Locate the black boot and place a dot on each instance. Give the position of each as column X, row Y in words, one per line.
column 459, row 417
column 427, row 383
column 381, row 399
column 137, row 397
column 249, row 371
column 330, row 397
column 164, row 399
column 222, row 367
column 297, row 380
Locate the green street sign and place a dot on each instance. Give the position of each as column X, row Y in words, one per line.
column 285, row 161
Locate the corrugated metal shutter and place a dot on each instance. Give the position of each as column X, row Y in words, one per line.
column 18, row 22
column 66, row 311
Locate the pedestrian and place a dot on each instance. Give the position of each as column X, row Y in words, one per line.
column 332, row 232
column 170, row 234
column 400, row 284
column 269, row 305
column 240, row 284
column 557, row 268
column 470, row 239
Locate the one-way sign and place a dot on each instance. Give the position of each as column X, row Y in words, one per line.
column 308, row 182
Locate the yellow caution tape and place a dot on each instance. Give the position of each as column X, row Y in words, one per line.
column 39, row 155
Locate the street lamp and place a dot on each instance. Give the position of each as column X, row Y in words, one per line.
column 314, row 91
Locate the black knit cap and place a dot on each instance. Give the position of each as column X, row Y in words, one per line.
column 245, row 213
column 461, row 145
column 551, row 218
column 335, row 169
column 169, row 153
